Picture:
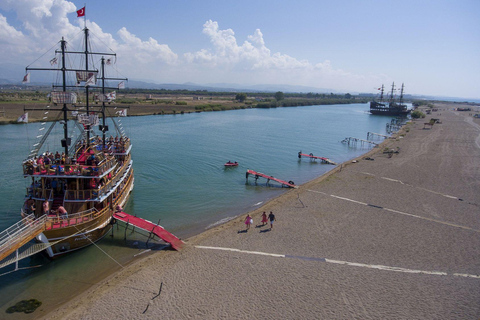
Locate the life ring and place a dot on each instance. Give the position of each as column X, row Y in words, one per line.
column 291, row 182
column 311, row 154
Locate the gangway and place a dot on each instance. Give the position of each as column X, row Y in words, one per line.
column 17, row 239
column 289, row 184
column 20, row 234
column 352, row 140
column 373, row 134
column 148, row 226
column 311, row 156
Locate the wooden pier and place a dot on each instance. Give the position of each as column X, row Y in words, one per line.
column 257, row 175
column 373, row 134
column 351, row 140
column 148, row 226
column 311, row 156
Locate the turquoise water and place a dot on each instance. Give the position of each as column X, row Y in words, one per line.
column 181, row 181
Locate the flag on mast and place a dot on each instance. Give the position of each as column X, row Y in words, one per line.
column 26, row 78
column 121, row 85
column 23, row 118
column 122, row 113
column 91, row 81
column 81, row 12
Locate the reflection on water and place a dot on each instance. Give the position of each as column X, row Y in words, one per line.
column 180, row 181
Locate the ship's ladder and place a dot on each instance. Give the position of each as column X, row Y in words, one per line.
column 18, row 235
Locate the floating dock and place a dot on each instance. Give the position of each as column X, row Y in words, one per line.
column 311, row 156
column 148, row 226
column 257, row 175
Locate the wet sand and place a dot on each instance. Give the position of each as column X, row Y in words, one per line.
column 397, row 237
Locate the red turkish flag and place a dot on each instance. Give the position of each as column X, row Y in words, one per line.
column 81, row 12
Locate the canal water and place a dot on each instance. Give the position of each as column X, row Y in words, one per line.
column 181, row 181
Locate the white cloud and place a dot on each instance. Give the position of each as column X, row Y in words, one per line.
column 42, row 23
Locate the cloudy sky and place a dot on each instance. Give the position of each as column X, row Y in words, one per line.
column 433, row 46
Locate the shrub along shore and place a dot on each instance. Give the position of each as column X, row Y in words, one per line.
column 160, row 102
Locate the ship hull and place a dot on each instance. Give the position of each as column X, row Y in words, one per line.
column 384, row 109
column 79, row 235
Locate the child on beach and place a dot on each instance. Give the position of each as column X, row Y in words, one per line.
column 264, row 218
column 248, row 221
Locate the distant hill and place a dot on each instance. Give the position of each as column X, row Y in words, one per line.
column 13, row 74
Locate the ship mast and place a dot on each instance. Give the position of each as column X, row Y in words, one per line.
column 393, row 89
column 87, row 86
column 65, row 141
column 401, row 94
column 63, row 97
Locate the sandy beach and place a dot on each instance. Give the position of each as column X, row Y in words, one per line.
column 396, row 237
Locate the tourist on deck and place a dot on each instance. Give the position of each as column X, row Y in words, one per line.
column 46, row 207
column 30, row 205
column 62, row 212
column 54, row 186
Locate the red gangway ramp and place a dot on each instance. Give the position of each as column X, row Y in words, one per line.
column 259, row 174
column 150, row 227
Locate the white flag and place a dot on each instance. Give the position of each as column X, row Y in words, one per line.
column 53, row 61
column 26, row 78
column 122, row 113
column 23, row 118
column 121, row 85
column 91, row 81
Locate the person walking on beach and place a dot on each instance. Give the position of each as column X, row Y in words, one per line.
column 248, row 221
column 264, row 219
column 271, row 217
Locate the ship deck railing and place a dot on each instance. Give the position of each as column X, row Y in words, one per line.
column 93, row 194
column 54, row 222
column 72, row 170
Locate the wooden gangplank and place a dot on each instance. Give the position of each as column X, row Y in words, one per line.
column 20, row 234
column 289, row 184
column 148, row 226
column 311, row 156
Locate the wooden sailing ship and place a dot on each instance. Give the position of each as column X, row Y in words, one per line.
column 76, row 190
column 390, row 107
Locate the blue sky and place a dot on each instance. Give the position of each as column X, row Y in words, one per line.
column 345, row 45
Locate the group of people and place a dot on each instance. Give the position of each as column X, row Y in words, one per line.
column 265, row 220
column 60, row 212
column 40, row 163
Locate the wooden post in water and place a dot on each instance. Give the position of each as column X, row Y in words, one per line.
column 126, row 227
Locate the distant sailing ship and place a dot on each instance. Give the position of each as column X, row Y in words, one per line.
column 76, row 190
column 390, row 107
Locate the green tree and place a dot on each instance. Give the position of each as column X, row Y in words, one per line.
column 416, row 114
column 279, row 96
column 241, row 97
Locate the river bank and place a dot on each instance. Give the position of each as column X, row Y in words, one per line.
column 393, row 237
